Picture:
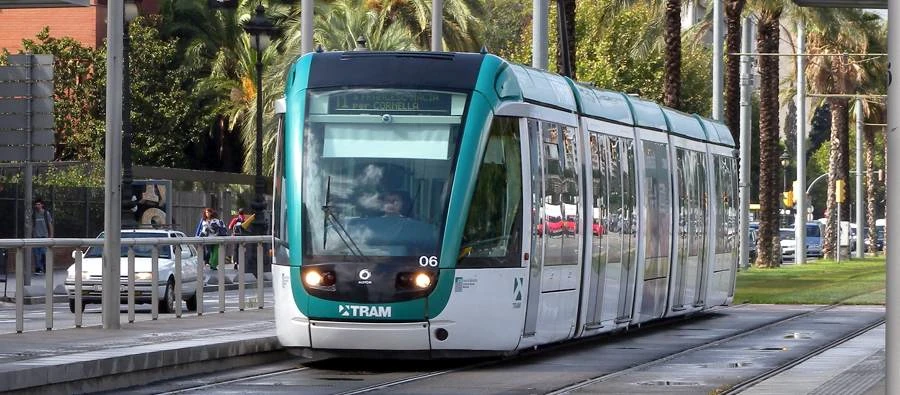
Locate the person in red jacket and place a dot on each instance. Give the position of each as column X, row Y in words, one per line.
column 234, row 226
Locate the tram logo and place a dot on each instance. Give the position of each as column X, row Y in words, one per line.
column 350, row 310
column 364, row 277
column 518, row 284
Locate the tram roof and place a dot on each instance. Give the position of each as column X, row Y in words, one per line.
column 685, row 125
column 717, row 131
column 603, row 104
column 647, row 113
column 544, row 87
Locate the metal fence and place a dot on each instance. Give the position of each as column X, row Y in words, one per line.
column 134, row 284
column 78, row 210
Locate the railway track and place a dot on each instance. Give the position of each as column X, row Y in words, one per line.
column 598, row 375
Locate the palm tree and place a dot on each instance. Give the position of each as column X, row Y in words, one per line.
column 733, row 10
column 869, row 147
column 568, row 11
column 460, row 30
column 836, row 31
column 769, row 12
column 215, row 46
column 672, row 79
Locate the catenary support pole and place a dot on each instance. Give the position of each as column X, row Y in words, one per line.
column 859, row 179
column 437, row 25
column 539, row 34
column 718, row 76
column 893, row 207
column 307, row 8
column 745, row 113
column 113, row 195
column 800, row 183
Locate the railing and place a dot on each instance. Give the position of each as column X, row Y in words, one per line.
column 75, row 289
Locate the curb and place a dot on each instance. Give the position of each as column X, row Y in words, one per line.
column 119, row 368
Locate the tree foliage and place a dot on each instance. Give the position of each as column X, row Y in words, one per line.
column 79, row 94
column 165, row 113
column 616, row 55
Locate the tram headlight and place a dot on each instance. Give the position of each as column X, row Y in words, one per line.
column 323, row 280
column 422, row 280
column 313, row 278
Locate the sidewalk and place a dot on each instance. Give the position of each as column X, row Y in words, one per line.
column 94, row 359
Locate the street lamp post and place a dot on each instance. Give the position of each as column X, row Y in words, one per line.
column 128, row 221
column 260, row 29
column 785, row 161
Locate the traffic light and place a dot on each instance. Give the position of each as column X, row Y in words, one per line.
column 788, row 198
column 839, row 191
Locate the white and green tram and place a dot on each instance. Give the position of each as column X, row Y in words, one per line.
column 456, row 204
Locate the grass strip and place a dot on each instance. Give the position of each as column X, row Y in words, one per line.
column 859, row 281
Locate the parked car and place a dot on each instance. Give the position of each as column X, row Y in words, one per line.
column 754, row 234
column 814, row 233
column 92, row 272
column 788, row 244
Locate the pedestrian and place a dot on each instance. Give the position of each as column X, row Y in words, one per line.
column 235, row 229
column 210, row 225
column 235, row 225
column 41, row 228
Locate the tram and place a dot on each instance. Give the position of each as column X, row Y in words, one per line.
column 435, row 205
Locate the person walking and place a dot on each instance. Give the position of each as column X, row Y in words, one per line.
column 234, row 226
column 210, row 225
column 41, row 228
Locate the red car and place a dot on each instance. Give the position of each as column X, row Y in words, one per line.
column 554, row 226
column 569, row 224
column 598, row 229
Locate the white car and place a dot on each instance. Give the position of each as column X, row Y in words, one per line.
column 788, row 244
column 92, row 273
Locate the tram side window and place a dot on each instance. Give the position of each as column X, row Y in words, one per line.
column 492, row 236
column 279, row 206
column 659, row 209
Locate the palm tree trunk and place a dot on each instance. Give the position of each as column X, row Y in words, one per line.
column 733, row 10
column 869, row 147
column 767, row 42
column 567, row 14
column 836, row 171
column 672, row 79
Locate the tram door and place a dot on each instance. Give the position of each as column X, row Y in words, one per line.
column 556, row 236
column 691, row 224
column 614, row 239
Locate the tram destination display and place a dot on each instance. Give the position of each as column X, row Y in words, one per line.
column 394, row 102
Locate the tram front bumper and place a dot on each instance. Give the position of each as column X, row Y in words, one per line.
column 410, row 336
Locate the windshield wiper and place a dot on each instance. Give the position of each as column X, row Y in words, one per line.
column 338, row 226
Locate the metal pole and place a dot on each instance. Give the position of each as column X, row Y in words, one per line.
column 539, row 34
column 718, row 76
column 128, row 220
column 306, row 25
column 745, row 113
column 859, row 179
column 29, row 176
column 837, row 241
column 437, row 25
column 800, row 183
column 893, row 210
column 113, row 200
column 259, row 204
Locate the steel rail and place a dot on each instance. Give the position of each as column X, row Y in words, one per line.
column 746, row 384
column 234, row 380
column 605, row 377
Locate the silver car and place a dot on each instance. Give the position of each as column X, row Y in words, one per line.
column 92, row 272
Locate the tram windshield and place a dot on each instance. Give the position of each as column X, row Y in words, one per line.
column 376, row 171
